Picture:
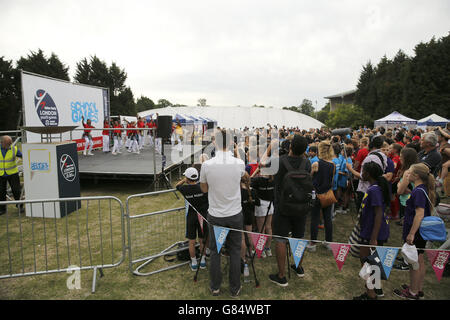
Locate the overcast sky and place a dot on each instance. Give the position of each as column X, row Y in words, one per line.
column 272, row 53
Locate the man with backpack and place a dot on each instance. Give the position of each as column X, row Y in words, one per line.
column 293, row 188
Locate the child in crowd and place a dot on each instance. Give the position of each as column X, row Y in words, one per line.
column 190, row 189
column 374, row 228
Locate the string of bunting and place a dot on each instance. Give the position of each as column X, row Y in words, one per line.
column 437, row 257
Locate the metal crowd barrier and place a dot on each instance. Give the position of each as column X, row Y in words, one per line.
column 154, row 234
column 88, row 238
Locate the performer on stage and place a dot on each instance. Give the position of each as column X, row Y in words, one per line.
column 105, row 134
column 117, row 138
column 141, row 124
column 134, row 145
column 87, row 136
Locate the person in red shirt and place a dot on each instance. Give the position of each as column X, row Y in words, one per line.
column 140, row 136
column 151, row 133
column 105, row 134
column 87, row 136
column 362, row 153
column 117, row 134
column 134, row 147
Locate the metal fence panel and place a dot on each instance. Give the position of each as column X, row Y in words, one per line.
column 91, row 237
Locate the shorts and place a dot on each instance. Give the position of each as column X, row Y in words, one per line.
column 261, row 211
column 193, row 228
column 420, row 243
column 283, row 225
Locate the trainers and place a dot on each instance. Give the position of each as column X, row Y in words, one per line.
column 215, row 293
column 202, row 264
column 379, row 293
column 282, row 282
column 236, row 294
column 263, row 255
column 194, row 267
column 208, row 252
column 298, row 271
column 327, row 246
column 402, row 266
column 268, row 252
column 406, row 294
column 90, row 153
column 420, row 293
column 364, row 296
column 114, row 153
column 311, row 247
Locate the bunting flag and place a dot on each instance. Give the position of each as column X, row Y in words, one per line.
column 298, row 248
column 438, row 259
column 259, row 241
column 200, row 220
column 221, row 235
column 340, row 252
column 387, row 256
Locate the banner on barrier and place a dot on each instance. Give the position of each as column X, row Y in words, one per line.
column 438, row 259
column 221, row 235
column 340, row 253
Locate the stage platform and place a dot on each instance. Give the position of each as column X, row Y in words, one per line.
column 128, row 165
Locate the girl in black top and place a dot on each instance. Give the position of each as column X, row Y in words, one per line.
column 322, row 172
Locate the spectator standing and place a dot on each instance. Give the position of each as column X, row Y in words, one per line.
column 220, row 177
column 9, row 173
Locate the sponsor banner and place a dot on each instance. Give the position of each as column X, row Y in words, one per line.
column 51, row 102
column 98, row 143
column 221, row 235
column 259, row 241
column 438, row 259
column 298, row 248
column 387, row 256
column 340, row 253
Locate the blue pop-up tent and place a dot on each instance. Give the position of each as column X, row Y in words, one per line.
column 432, row 121
column 184, row 120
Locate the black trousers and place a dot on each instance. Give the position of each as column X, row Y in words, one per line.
column 14, row 182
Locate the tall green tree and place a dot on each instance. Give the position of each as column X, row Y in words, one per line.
column 10, row 103
column 162, row 103
column 346, row 115
column 307, row 107
column 95, row 72
column 144, row 103
column 37, row 62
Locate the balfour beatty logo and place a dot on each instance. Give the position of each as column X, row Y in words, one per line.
column 343, row 251
column 389, row 259
column 299, row 249
column 46, row 109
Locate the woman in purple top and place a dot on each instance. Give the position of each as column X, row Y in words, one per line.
column 417, row 207
column 374, row 229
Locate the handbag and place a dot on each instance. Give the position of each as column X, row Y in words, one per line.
column 327, row 199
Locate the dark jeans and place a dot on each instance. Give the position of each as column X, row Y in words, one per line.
column 358, row 200
column 315, row 217
column 14, row 182
column 233, row 242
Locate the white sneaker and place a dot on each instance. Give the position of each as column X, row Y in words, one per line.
column 90, row 154
column 84, row 152
column 113, row 153
column 268, row 252
column 119, row 152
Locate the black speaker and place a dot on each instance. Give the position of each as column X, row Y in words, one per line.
column 210, row 125
column 164, row 129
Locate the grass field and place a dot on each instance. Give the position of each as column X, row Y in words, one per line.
column 150, row 235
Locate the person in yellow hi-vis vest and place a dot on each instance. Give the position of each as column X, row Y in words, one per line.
column 8, row 171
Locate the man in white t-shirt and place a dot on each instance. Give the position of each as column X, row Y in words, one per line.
column 221, row 177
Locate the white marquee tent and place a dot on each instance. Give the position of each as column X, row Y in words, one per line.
column 240, row 117
column 432, row 120
column 395, row 119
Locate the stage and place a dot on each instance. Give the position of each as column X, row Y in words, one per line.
column 128, row 165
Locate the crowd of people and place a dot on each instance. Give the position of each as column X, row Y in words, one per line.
column 390, row 174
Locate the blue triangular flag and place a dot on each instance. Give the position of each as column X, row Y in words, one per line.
column 387, row 256
column 220, row 234
column 297, row 247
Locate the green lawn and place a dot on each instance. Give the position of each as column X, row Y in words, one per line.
column 151, row 235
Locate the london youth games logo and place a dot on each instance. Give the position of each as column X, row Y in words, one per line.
column 67, row 166
column 46, row 109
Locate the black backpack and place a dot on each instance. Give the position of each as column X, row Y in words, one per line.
column 296, row 189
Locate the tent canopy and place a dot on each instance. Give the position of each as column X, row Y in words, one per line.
column 240, row 117
column 432, row 120
column 395, row 118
